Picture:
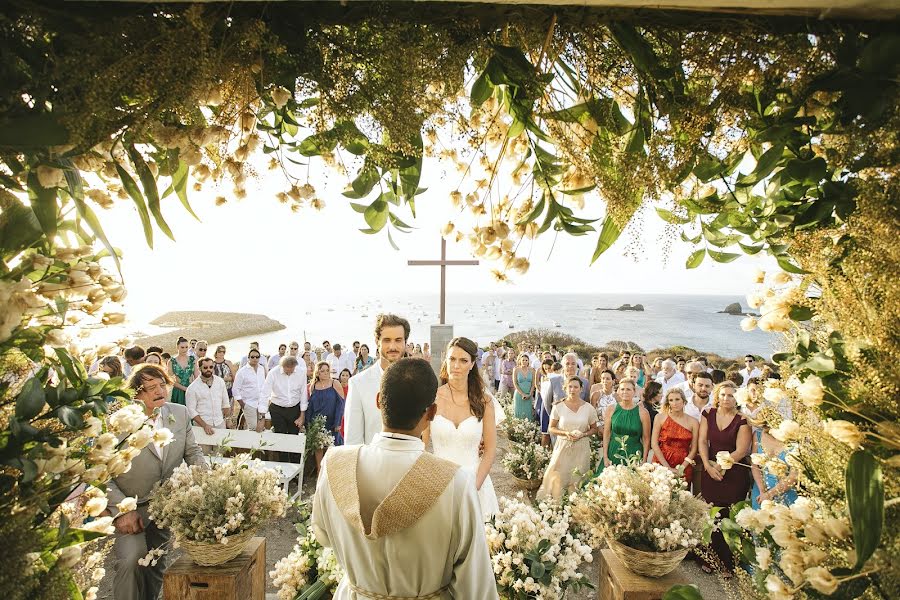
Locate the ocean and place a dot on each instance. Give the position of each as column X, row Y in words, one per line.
column 667, row 320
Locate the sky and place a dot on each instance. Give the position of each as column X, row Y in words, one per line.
column 256, row 248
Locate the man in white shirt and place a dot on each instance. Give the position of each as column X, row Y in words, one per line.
column 499, row 355
column 275, row 360
column 750, row 370
column 355, row 354
column 339, row 360
column 692, row 369
column 207, row 400
column 247, row 389
column 701, row 399
column 669, row 376
column 326, row 350
column 307, row 347
column 253, row 346
column 362, row 419
column 285, row 398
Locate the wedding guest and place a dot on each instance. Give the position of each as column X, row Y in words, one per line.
column 524, row 384
column 426, row 351
column 307, row 347
column 249, row 383
column 724, row 429
column 133, row 357
column 153, row 358
column 362, row 419
column 546, row 368
column 750, row 369
column 440, row 549
column 182, row 368
column 339, row 360
column 650, row 398
column 623, row 362
column 275, row 359
column 284, row 397
column 307, row 359
column 156, row 349
column 111, row 365
column 669, row 376
column 344, row 380
column 326, row 398
column 167, row 359
column 692, row 369
column 200, row 351
column 206, row 398
column 246, row 358
column 552, row 393
column 499, row 355
column 570, row 370
column 417, row 351
column 637, row 362
column 631, row 372
column 363, row 359
column 487, row 367
column 572, row 421
column 735, row 377
column 675, row 435
column 701, row 396
column 135, row 531
column 603, row 393
column 224, row 368
column 768, row 484
column 507, row 366
column 681, row 365
column 655, row 367
column 626, row 429
column 464, row 429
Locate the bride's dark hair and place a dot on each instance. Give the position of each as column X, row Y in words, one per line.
column 474, row 383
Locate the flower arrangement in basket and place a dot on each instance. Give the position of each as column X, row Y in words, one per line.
column 522, row 431
column 534, row 552
column 310, row 570
column 317, row 436
column 526, row 462
column 646, row 515
column 214, row 512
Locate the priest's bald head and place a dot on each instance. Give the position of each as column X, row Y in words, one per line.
column 406, row 398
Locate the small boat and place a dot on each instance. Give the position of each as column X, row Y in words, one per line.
column 510, row 325
column 555, row 324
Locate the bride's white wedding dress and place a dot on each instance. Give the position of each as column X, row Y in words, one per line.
column 460, row 445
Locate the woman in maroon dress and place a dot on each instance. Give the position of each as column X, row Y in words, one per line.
column 724, row 429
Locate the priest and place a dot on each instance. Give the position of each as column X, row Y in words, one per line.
column 403, row 523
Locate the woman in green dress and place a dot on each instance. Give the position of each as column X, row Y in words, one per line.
column 181, row 368
column 626, row 428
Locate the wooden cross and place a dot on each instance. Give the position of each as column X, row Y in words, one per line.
column 442, row 263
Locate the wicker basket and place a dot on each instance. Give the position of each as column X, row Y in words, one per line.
column 527, row 484
column 208, row 555
column 648, row 564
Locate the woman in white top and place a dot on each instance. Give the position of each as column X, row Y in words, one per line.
column 464, row 430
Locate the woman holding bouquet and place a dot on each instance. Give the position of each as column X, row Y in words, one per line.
column 674, row 437
column 626, row 429
column 572, row 421
column 326, row 397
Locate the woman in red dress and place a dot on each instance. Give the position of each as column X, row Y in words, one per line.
column 675, row 435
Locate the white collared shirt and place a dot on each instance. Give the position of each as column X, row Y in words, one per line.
column 684, row 386
column 339, row 363
column 691, row 409
column 276, row 360
column 747, row 375
column 285, row 390
column 248, row 385
column 207, row 401
column 676, row 378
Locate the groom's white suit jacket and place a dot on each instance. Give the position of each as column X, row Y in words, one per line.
column 362, row 419
column 402, row 522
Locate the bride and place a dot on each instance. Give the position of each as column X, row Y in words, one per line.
column 466, row 416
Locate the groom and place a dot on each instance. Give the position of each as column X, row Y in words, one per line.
column 402, row 522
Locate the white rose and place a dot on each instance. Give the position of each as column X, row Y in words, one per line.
column 763, row 558
column 811, row 391
column 749, row 324
column 91, row 593
column 724, row 460
column 100, row 525
column 802, row 509
column 786, row 431
column 777, row 589
column 775, row 322
column 822, row 580
column 92, row 426
column 140, row 438
column 755, row 300
column 759, row 459
column 69, row 556
column 759, row 276
column 782, row 278
column 162, row 437
column 95, row 506
column 844, row 431
column 837, row 528
column 127, row 505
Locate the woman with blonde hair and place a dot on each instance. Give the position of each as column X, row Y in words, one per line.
column 675, row 435
column 326, row 397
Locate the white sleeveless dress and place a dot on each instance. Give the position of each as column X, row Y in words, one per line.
column 460, row 445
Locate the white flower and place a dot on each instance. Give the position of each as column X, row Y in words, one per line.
column 140, row 438
column 774, row 321
column 844, row 431
column 280, row 96
column 127, row 505
column 811, row 391
column 100, row 525
column 91, row 593
column 748, row 324
column 782, row 278
column 786, row 431
column 802, row 509
column 822, row 580
column 127, row 419
column 777, row 589
column 763, row 558
column 724, row 460
column 759, row 276
column 98, row 574
column 92, row 426
column 755, row 300
column 162, row 437
column 69, row 556
column 95, row 506
column 837, row 528
column 49, row 177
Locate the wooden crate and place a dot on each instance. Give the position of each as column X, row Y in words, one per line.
column 243, row 578
column 618, row 583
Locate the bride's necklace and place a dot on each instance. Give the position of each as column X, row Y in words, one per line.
column 453, row 397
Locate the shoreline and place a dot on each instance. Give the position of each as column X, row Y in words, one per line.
column 212, row 326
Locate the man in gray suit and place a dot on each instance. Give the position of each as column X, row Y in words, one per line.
column 552, row 392
column 136, row 534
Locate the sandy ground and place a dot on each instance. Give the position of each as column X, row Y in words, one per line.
column 280, row 538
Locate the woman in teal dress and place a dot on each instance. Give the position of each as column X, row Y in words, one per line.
column 766, row 484
column 626, row 429
column 523, row 397
column 637, row 361
column 181, row 368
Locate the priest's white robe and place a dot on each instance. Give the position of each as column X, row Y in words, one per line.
column 400, row 526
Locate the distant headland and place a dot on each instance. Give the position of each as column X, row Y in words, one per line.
column 214, row 327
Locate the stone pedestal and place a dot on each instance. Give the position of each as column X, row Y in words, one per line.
column 618, row 583
column 440, row 337
column 242, row 578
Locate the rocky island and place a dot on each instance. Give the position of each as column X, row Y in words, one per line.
column 736, row 309
column 214, row 327
column 636, row 307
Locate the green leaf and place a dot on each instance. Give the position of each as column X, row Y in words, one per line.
column 32, row 131
column 670, row 217
column 131, row 187
column 19, row 226
column 74, row 369
column 148, row 182
column 801, row 313
column 820, row 363
column 538, row 569
column 865, row 499
column 76, row 191
column 30, row 401
column 535, row 212
column 695, row 258
column 73, row 537
column 364, row 183
column 683, row 592
column 44, row 205
column 376, row 215
column 70, row 417
column 788, row 266
column 360, row 208
column 481, row 90
column 179, row 184
column 722, row 257
column 764, row 166
column 609, row 233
